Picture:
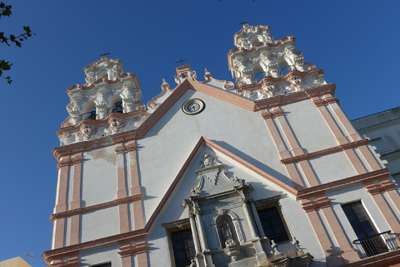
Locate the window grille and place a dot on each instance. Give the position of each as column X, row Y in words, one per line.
column 273, row 225
column 184, row 251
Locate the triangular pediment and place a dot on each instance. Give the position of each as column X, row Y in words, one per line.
column 208, row 171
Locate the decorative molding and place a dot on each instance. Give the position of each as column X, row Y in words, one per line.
column 59, row 253
column 320, row 153
column 384, row 186
column 325, row 101
column 272, row 114
column 132, row 250
column 101, row 80
column 320, row 203
column 70, row 161
column 104, row 205
column 281, row 100
column 73, row 261
column 320, row 189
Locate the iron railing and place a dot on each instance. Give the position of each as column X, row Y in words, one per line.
column 377, row 244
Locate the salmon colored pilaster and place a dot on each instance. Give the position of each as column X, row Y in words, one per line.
column 297, row 150
column 123, row 218
column 59, row 233
column 375, row 191
column 136, row 189
column 131, row 148
column 283, row 153
column 62, row 185
column 370, row 159
column 75, row 229
column 76, row 190
column 121, row 193
column 395, row 198
column 340, row 138
column 126, row 261
column 332, row 257
column 76, row 198
column 349, row 253
column 142, row 259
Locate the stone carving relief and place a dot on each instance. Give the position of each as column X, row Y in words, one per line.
column 294, row 59
column 114, row 124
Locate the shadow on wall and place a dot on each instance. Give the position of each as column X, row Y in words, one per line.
column 254, row 162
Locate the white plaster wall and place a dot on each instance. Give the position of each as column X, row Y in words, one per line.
column 165, row 148
column 308, row 125
column 332, row 167
column 99, row 181
column 99, row 224
column 102, row 254
column 297, row 221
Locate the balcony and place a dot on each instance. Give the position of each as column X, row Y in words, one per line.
column 377, row 244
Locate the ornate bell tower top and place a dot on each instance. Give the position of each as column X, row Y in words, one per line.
column 264, row 67
column 109, row 102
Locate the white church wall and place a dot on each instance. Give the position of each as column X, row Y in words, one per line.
column 99, row 224
column 99, row 185
column 302, row 117
column 243, row 133
column 332, row 167
column 99, row 255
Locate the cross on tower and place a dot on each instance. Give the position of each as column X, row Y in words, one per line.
column 181, row 61
column 104, row 55
column 243, row 23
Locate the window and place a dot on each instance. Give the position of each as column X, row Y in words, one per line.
column 369, row 241
column 183, row 246
column 118, row 107
column 273, row 225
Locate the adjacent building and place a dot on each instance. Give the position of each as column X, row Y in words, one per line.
column 264, row 170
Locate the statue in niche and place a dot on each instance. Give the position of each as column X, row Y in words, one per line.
column 226, row 230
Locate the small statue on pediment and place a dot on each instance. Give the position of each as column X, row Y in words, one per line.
column 207, row 160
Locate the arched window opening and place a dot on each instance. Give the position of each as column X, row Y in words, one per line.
column 259, row 75
column 284, row 70
column 118, row 108
column 92, row 114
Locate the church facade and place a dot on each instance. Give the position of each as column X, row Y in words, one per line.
column 265, row 170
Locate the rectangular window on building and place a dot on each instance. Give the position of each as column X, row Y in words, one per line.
column 369, row 241
column 108, row 264
column 273, row 225
column 183, row 246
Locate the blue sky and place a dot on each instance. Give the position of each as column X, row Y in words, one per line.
column 355, row 42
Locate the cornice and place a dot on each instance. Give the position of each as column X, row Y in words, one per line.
column 104, row 60
column 320, row 189
column 102, row 80
column 100, row 206
column 286, row 78
column 280, row 100
column 377, row 126
column 104, row 121
column 258, row 45
column 324, row 152
column 50, row 255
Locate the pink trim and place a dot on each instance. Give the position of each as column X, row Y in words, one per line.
column 104, row 205
column 103, row 80
column 324, row 152
column 369, row 158
column 76, row 198
column 280, row 146
column 123, row 218
column 281, row 100
column 395, row 198
column 59, row 233
column 61, row 252
column 383, row 207
column 320, row 189
column 63, row 185
column 75, row 230
column 387, row 259
column 297, row 150
column 121, row 184
column 73, row 261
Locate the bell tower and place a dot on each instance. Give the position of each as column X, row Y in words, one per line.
column 264, row 68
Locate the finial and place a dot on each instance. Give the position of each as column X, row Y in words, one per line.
column 104, row 55
column 206, row 71
column 181, row 61
column 244, row 23
column 164, row 81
